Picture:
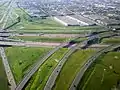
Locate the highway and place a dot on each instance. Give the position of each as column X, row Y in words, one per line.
column 53, row 35
column 41, row 44
column 34, row 69
column 7, row 12
column 29, row 44
column 7, row 69
column 51, row 81
column 53, row 31
column 37, row 65
column 80, row 74
column 42, row 35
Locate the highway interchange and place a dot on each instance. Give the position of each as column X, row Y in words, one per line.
column 51, row 81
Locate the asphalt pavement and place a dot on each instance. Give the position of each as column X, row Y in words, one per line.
column 51, row 81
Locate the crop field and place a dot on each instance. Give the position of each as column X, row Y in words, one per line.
column 71, row 68
column 41, row 76
column 21, row 58
column 104, row 74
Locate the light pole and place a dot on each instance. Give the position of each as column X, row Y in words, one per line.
column 103, row 75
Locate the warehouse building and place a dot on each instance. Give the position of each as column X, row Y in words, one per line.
column 65, row 20
column 74, row 20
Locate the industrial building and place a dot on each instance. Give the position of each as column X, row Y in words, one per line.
column 74, row 20
column 66, row 20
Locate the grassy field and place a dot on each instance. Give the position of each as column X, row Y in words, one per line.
column 71, row 68
column 21, row 58
column 111, row 40
column 28, row 23
column 104, row 74
column 3, row 78
column 39, row 79
column 41, row 39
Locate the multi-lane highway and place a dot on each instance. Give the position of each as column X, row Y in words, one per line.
column 7, row 13
column 7, row 69
column 80, row 74
column 38, row 64
column 42, row 35
column 29, row 44
column 51, row 81
column 41, row 44
column 35, row 68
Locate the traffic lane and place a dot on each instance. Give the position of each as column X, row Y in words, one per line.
column 35, row 68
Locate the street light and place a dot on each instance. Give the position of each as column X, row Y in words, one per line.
column 103, row 76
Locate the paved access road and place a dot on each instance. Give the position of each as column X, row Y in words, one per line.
column 87, row 65
column 7, row 69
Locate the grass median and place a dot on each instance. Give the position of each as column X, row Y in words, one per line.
column 21, row 59
column 71, row 68
column 40, row 78
column 104, row 74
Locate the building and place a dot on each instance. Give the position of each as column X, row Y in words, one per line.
column 66, row 20
column 83, row 21
column 109, row 22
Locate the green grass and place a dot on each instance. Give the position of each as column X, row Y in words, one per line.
column 111, row 40
column 3, row 78
column 21, row 58
column 71, row 68
column 39, row 79
column 41, row 39
column 45, row 24
column 102, row 77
